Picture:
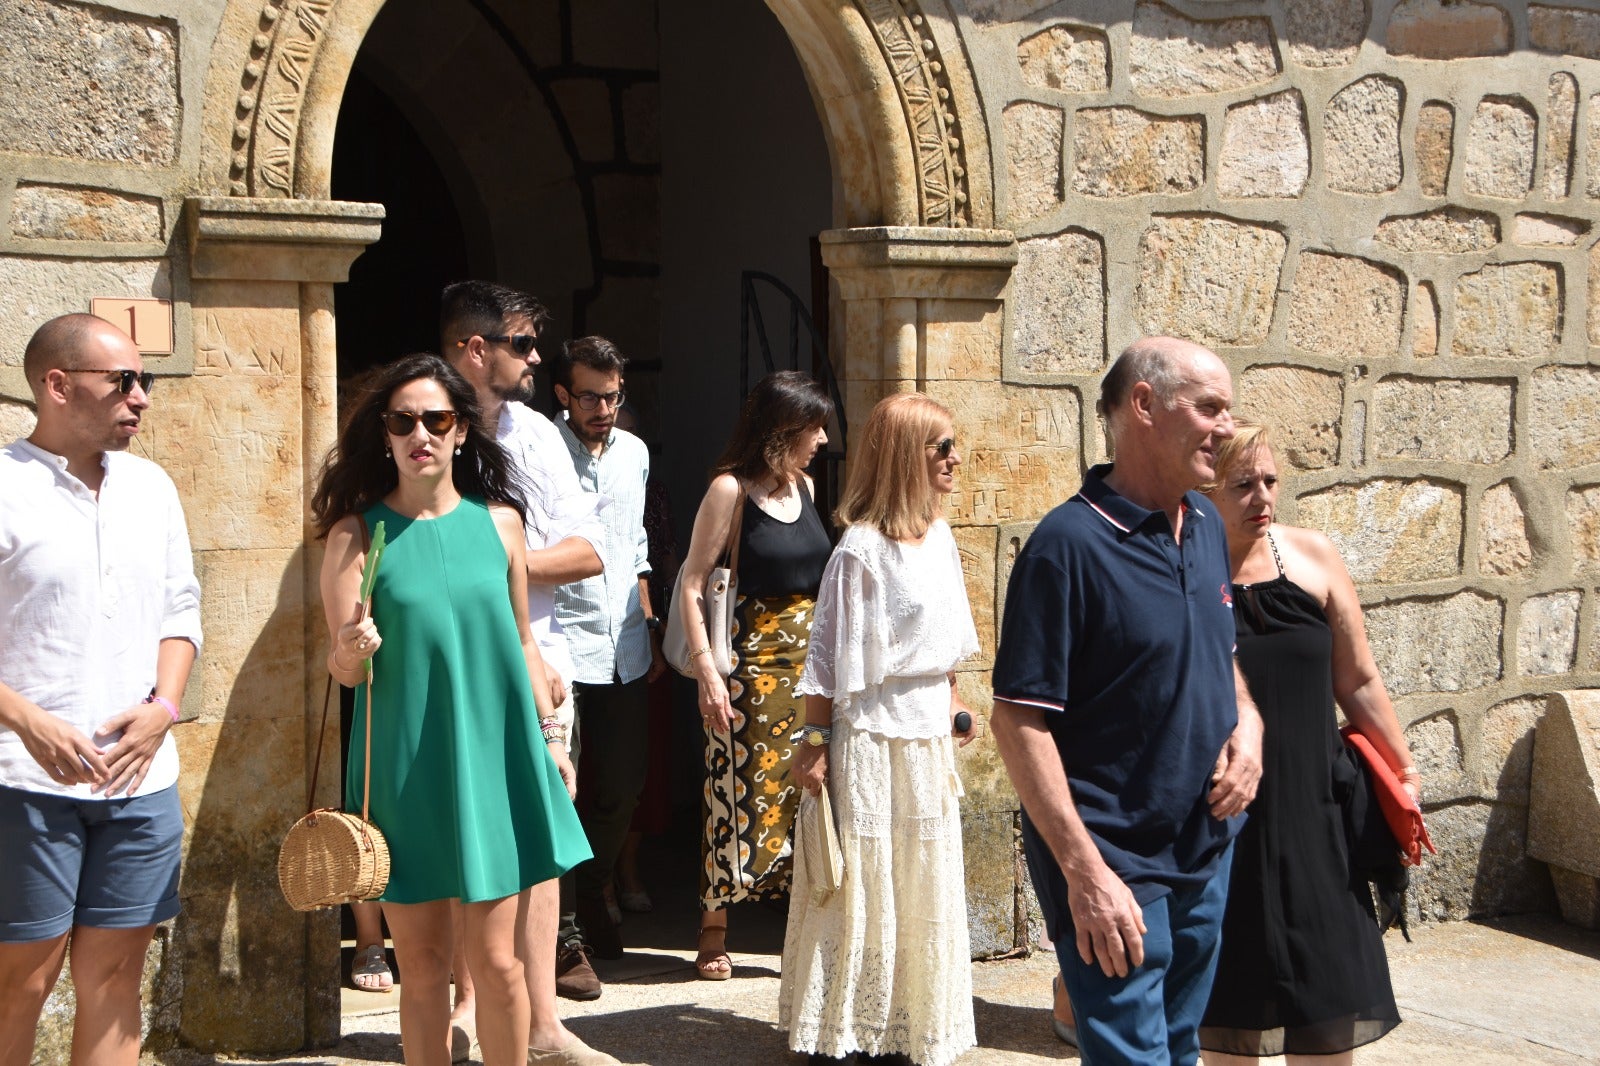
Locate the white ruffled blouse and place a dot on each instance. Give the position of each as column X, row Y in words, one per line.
column 892, row 620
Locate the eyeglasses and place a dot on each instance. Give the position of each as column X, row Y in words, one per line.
column 521, row 343
column 590, row 400
column 401, row 423
column 126, row 379
column 943, row 447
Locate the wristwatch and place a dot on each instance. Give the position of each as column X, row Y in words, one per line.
column 653, row 623
column 812, row 735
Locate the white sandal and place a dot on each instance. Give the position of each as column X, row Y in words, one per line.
column 372, row 965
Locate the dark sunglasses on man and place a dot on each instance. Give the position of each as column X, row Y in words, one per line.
column 521, row 343
column 126, row 379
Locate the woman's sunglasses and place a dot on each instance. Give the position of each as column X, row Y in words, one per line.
column 943, row 447
column 401, row 423
column 126, row 379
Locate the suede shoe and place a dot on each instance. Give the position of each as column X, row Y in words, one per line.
column 576, row 1053
column 575, row 978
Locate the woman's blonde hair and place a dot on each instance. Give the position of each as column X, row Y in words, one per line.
column 1247, row 436
column 888, row 487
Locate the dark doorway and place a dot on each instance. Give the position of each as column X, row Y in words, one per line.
column 389, row 307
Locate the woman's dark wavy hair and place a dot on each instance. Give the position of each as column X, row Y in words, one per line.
column 356, row 474
column 783, row 406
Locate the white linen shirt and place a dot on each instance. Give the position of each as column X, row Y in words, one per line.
column 602, row 615
column 892, row 620
column 558, row 508
column 89, row 588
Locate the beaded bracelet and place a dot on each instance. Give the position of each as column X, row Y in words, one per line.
column 552, row 730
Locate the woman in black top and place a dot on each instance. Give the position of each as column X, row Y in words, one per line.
column 1302, row 969
column 783, row 546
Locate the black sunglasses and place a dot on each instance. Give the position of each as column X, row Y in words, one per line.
column 401, row 423
column 521, row 343
column 943, row 447
column 126, row 379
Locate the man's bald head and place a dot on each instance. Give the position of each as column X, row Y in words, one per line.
column 61, row 343
column 1166, row 364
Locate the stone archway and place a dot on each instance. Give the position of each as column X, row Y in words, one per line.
column 899, row 105
column 913, row 262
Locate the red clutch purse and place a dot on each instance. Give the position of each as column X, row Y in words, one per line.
column 1400, row 811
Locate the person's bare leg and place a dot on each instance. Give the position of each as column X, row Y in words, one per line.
column 1343, row 1058
column 1061, row 1007
column 107, row 967
column 422, row 936
column 463, row 1011
column 711, row 956
column 28, row 972
column 540, row 919
column 491, row 946
column 628, row 881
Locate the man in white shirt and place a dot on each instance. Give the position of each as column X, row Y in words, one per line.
column 607, row 620
column 99, row 628
column 487, row 332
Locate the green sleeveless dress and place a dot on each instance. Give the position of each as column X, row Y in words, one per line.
column 462, row 784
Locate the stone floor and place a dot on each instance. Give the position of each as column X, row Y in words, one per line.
column 1513, row 991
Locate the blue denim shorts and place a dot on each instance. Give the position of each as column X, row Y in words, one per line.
column 103, row 863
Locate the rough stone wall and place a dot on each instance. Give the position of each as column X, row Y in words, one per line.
column 1381, row 215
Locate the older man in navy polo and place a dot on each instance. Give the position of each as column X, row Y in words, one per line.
column 1128, row 733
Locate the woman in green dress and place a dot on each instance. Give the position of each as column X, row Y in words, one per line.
column 474, row 805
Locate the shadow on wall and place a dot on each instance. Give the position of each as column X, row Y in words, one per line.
column 1508, row 881
column 244, row 953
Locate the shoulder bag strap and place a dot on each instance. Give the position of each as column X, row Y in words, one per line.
column 327, row 700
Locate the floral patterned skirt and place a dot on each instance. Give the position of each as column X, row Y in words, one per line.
column 749, row 801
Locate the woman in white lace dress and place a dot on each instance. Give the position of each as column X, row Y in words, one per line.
column 881, row 968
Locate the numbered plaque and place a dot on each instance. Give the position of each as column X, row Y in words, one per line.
column 147, row 321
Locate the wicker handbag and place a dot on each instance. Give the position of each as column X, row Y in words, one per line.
column 332, row 856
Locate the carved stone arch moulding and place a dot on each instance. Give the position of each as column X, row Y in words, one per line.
column 923, row 84
column 290, row 34
column 272, row 94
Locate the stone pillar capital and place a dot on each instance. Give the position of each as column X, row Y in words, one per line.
column 257, row 239
column 919, row 262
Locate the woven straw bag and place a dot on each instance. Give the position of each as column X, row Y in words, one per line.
column 332, row 856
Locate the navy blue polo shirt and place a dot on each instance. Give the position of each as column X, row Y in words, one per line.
column 1124, row 636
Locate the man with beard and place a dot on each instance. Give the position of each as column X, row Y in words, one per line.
column 488, row 333
column 608, row 621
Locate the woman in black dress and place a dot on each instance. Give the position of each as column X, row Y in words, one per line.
column 1302, row 969
column 750, row 717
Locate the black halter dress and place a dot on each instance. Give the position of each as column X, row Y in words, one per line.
column 1302, row 969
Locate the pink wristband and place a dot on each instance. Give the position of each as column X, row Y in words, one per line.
column 172, row 708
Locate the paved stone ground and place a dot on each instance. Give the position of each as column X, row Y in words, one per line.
column 1513, row 991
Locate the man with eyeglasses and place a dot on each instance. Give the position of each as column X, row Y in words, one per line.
column 99, row 628
column 488, row 333
column 609, row 623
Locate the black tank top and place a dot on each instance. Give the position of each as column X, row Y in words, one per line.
column 779, row 558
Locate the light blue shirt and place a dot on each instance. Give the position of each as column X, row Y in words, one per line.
column 602, row 615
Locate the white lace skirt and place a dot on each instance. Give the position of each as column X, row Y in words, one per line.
column 884, row 966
